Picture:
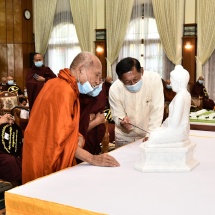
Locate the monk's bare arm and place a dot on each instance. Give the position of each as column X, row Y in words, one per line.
column 96, row 160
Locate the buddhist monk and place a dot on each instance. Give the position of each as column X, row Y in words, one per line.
column 52, row 139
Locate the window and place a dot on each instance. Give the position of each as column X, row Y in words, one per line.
column 63, row 44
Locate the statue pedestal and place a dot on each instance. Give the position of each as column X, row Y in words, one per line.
column 166, row 159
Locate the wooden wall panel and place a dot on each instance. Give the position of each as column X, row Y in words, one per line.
column 17, row 8
column 3, row 59
column 18, row 64
column 10, row 59
column 3, row 22
column 188, row 56
column 9, row 20
column 16, row 39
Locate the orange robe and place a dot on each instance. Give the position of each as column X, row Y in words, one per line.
column 51, row 137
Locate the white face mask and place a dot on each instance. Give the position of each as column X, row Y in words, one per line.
column 135, row 87
column 10, row 82
column 201, row 81
column 38, row 63
column 86, row 87
column 96, row 91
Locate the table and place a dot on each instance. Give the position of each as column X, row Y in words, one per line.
column 202, row 126
column 86, row 189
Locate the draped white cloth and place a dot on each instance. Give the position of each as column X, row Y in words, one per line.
column 118, row 15
column 205, row 59
column 169, row 15
column 63, row 44
column 44, row 11
column 83, row 13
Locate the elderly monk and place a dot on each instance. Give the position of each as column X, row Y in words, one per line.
column 52, row 139
column 36, row 77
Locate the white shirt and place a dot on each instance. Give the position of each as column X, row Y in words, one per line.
column 144, row 108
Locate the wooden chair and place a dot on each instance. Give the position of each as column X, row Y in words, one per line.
column 8, row 101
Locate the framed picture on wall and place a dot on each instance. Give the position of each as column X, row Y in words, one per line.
column 190, row 29
column 100, row 34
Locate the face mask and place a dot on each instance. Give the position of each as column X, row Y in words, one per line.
column 135, row 87
column 10, row 82
column 95, row 91
column 168, row 86
column 201, row 81
column 85, row 88
column 38, row 63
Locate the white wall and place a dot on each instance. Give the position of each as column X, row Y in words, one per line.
column 100, row 14
column 190, row 11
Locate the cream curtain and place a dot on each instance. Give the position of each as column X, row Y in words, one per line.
column 206, row 32
column 83, row 13
column 118, row 13
column 44, row 11
column 169, row 15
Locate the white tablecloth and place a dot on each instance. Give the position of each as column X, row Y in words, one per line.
column 125, row 191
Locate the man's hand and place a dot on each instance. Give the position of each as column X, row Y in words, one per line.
column 125, row 123
column 104, row 160
column 40, row 78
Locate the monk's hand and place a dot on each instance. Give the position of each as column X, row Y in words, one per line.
column 104, row 160
column 92, row 116
column 125, row 123
column 40, row 78
column 100, row 118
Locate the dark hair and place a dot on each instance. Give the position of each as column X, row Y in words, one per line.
column 126, row 65
column 22, row 99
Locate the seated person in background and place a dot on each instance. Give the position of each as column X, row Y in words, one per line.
column 169, row 94
column 36, row 77
column 177, row 126
column 200, row 92
column 24, row 113
column 52, row 139
column 135, row 98
column 10, row 150
column 92, row 118
column 3, row 85
column 12, row 87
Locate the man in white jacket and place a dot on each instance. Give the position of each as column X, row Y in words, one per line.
column 136, row 101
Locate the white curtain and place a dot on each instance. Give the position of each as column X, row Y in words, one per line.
column 132, row 45
column 153, row 50
column 142, row 41
column 44, row 11
column 83, row 13
column 63, row 44
column 169, row 15
column 206, row 44
column 209, row 75
column 118, row 13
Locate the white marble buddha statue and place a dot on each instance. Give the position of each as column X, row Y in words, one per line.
column 175, row 129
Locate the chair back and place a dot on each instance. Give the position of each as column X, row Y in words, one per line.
column 8, row 101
